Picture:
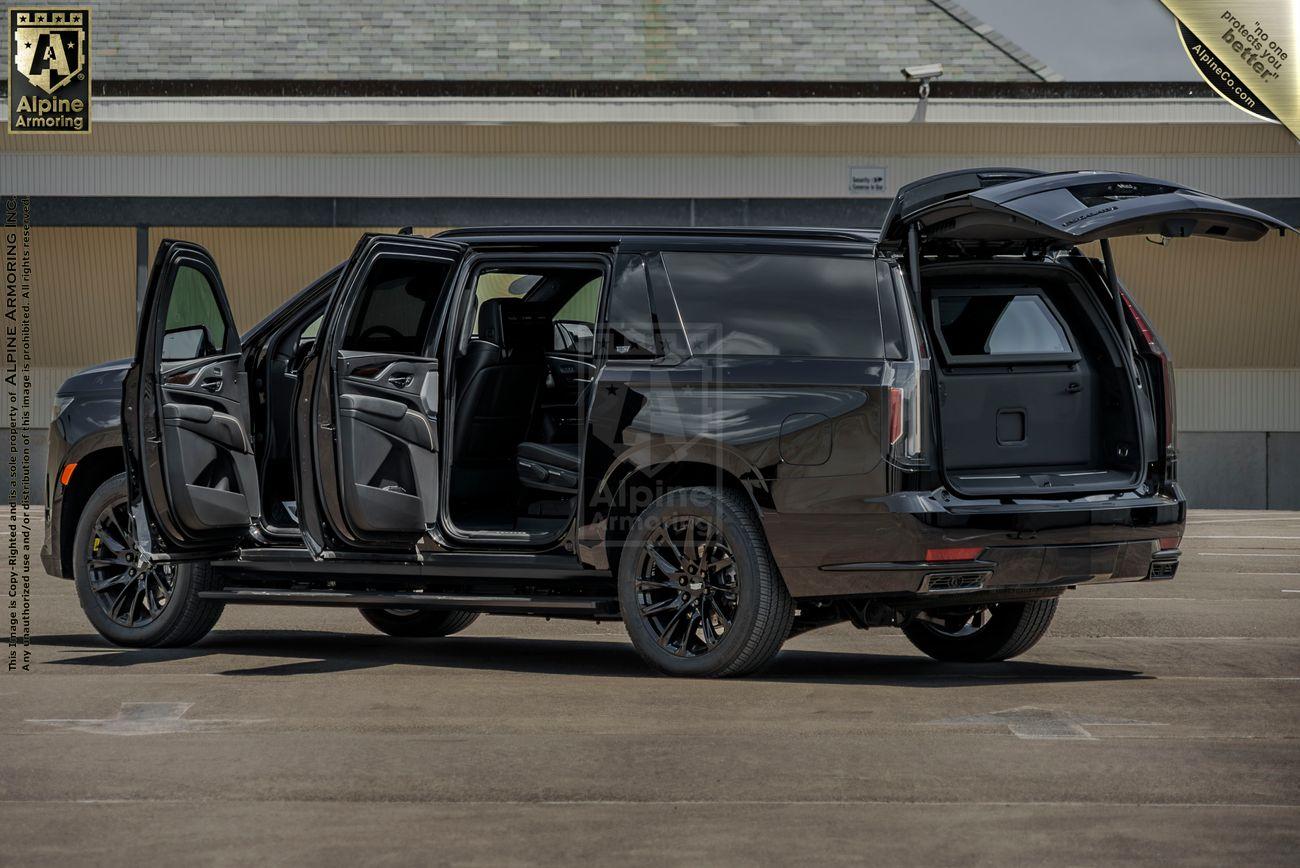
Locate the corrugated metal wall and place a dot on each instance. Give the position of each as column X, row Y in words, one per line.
column 262, row 267
column 651, row 176
column 1230, row 312
column 665, row 138
column 1218, row 304
column 84, row 288
column 1238, row 400
column 83, row 295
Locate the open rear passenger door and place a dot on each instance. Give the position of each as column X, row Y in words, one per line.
column 185, row 410
column 368, row 432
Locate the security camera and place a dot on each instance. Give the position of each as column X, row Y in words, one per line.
column 923, row 72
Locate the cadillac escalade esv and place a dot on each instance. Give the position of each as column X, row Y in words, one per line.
column 722, row 437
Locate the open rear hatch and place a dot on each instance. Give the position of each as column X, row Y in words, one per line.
column 1021, row 208
column 1043, row 383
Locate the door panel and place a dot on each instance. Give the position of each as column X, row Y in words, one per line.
column 191, row 467
column 387, row 432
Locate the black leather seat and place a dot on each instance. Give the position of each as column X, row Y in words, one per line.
column 500, row 379
column 549, row 466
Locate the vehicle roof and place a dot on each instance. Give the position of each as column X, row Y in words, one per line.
column 617, row 233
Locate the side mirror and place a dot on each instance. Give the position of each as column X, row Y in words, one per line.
column 183, row 344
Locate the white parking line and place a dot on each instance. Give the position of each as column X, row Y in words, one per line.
column 1236, row 520
column 1245, row 555
column 1208, row 536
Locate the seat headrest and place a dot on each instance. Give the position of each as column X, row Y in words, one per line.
column 527, row 329
column 491, row 320
column 514, row 326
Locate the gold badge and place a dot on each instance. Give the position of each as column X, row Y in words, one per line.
column 1245, row 50
column 49, row 72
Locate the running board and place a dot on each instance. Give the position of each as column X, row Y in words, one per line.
column 603, row 608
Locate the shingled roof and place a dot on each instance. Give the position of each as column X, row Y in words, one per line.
column 548, row 40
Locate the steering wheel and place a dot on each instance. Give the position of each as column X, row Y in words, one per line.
column 390, row 334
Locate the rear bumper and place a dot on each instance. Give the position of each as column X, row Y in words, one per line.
column 1012, row 568
column 1034, row 547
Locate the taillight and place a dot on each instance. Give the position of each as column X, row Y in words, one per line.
column 1142, row 324
column 1166, row 366
column 1169, row 542
column 933, row 556
column 895, row 415
column 906, row 391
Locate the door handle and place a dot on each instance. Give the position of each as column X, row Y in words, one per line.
column 401, row 380
column 211, row 384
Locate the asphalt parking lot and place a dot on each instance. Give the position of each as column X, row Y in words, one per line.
column 1156, row 723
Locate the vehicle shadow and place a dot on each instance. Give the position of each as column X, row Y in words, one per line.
column 315, row 653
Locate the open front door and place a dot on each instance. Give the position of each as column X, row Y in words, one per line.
column 190, row 465
column 369, row 399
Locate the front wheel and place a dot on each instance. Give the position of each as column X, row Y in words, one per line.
column 697, row 587
column 419, row 623
column 139, row 607
column 981, row 634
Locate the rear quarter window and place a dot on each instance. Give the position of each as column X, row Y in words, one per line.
column 995, row 325
column 758, row 304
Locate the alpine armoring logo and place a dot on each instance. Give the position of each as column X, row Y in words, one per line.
column 49, row 71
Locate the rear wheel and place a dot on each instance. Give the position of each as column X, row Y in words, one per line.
column 998, row 631
column 419, row 623
column 697, row 588
column 129, row 604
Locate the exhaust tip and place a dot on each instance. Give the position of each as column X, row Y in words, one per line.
column 947, row 583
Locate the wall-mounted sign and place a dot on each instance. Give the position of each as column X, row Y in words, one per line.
column 866, row 180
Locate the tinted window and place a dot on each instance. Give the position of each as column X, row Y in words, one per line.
column 630, row 329
column 194, row 326
column 777, row 305
column 396, row 306
column 501, row 284
column 574, row 324
column 1000, row 325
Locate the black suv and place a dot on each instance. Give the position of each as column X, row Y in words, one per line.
column 721, row 437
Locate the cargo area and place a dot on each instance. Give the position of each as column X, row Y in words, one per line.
column 1033, row 393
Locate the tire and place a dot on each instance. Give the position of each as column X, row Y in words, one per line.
column 731, row 579
column 165, row 610
column 419, row 623
column 1011, row 630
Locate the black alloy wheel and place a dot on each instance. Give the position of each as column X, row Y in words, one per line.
column 687, row 588
column 962, row 624
column 129, row 594
column 698, row 590
column 981, row 634
column 128, row 601
column 419, row 623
